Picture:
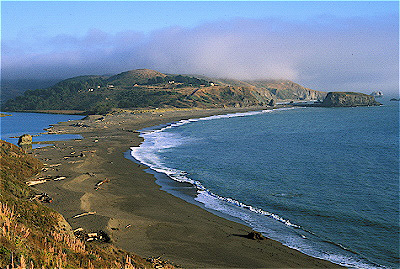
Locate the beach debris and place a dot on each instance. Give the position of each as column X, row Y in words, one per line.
column 41, row 180
column 84, row 214
column 43, row 197
column 79, row 124
column 100, row 235
column 35, row 182
column 127, row 130
column 158, row 263
column 59, row 178
column 80, row 229
column 91, row 174
column 98, row 184
column 128, row 226
column 46, row 177
column 54, row 165
column 73, row 156
column 255, row 236
column 75, row 161
column 92, row 234
column 90, row 151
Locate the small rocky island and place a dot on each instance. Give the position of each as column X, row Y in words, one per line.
column 348, row 99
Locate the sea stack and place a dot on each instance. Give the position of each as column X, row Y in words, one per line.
column 349, row 99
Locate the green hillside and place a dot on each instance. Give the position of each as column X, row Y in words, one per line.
column 11, row 88
column 139, row 76
column 144, row 88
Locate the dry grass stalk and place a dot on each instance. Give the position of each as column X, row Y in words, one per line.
column 72, row 242
column 128, row 263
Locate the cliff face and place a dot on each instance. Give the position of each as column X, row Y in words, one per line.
column 284, row 90
column 277, row 89
column 347, row 99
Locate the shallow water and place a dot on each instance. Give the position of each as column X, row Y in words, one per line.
column 321, row 180
column 34, row 124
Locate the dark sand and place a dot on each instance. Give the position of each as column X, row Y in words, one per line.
column 131, row 207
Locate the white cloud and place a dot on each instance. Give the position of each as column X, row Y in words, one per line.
column 359, row 54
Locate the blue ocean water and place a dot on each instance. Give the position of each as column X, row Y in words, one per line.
column 324, row 181
column 34, row 124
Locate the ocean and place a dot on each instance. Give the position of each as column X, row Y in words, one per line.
column 324, row 181
column 20, row 123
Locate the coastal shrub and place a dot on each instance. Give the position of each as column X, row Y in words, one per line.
column 30, row 234
column 102, row 108
column 135, row 98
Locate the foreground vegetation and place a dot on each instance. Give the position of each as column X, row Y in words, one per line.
column 35, row 236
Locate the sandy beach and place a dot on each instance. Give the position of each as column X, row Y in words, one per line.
column 119, row 197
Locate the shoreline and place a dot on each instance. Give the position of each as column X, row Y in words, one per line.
column 189, row 190
column 183, row 190
column 132, row 208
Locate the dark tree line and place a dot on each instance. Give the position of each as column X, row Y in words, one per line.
column 185, row 80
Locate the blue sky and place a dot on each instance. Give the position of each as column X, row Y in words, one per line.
column 77, row 17
column 323, row 45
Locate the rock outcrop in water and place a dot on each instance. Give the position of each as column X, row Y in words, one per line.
column 348, row 99
column 25, row 139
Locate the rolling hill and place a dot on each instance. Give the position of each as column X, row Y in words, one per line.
column 11, row 88
column 144, row 88
column 139, row 76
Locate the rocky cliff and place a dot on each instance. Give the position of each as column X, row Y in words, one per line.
column 348, row 99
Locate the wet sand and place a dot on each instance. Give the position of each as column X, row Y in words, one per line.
column 132, row 209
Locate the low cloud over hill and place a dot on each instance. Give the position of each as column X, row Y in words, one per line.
column 359, row 54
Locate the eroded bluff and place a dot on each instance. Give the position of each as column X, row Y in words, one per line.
column 347, row 99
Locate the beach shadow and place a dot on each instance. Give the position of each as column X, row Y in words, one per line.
column 240, row 235
column 251, row 235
